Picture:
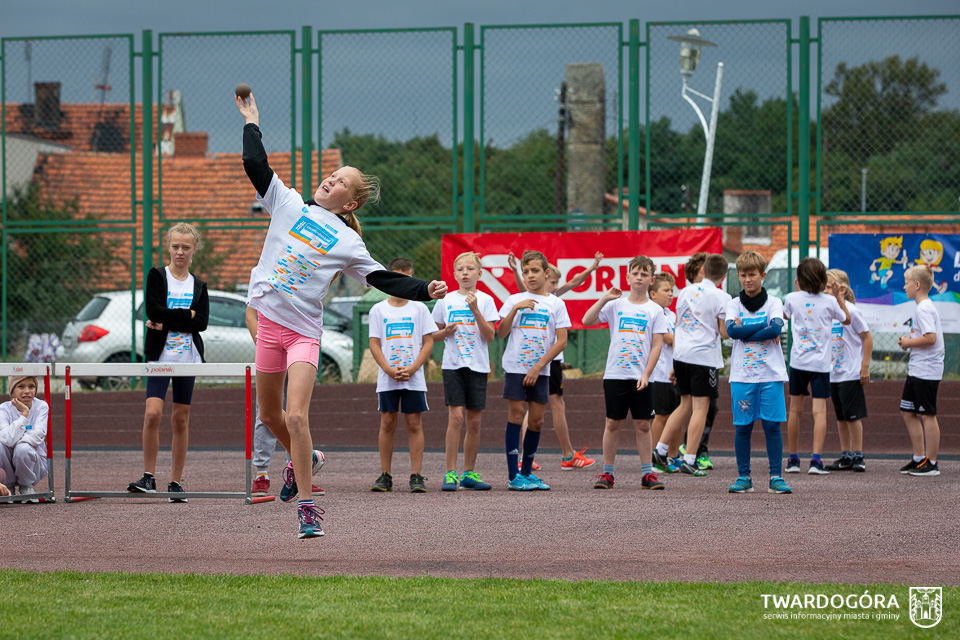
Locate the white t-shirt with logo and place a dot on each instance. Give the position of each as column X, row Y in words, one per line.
column 926, row 363
column 632, row 327
column 811, row 321
column 401, row 331
column 661, row 372
column 304, row 248
column 179, row 346
column 757, row 362
column 533, row 332
column 465, row 348
column 699, row 307
column 846, row 346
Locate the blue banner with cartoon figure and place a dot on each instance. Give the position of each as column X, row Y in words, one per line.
column 876, row 264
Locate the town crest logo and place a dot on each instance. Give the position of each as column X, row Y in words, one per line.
column 926, row 606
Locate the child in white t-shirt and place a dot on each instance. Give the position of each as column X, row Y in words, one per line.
column 637, row 326
column 697, row 359
column 23, row 435
column 811, row 313
column 467, row 320
column 851, row 347
column 757, row 372
column 401, row 341
column 537, row 324
column 666, row 398
column 918, row 406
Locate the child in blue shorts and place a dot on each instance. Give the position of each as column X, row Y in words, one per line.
column 401, row 341
column 537, row 324
column 757, row 371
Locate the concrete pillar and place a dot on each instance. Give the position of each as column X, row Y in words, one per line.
column 586, row 166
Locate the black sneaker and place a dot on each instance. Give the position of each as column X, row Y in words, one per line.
column 146, row 484
column 793, row 465
column 845, row 463
column 174, row 487
column 661, row 462
column 859, row 464
column 926, row 468
column 417, row 483
column 692, row 470
column 383, row 483
column 816, row 468
column 910, row 466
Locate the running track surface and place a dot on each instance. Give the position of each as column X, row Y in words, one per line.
column 877, row 526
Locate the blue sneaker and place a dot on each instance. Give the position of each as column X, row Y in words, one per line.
column 743, row 485
column 471, row 480
column 289, row 490
column 520, row 483
column 310, row 518
column 675, row 464
column 537, row 482
column 449, row 482
column 777, row 485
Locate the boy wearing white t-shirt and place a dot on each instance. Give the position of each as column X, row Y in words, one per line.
column 697, row 359
column 851, row 347
column 537, row 324
column 466, row 320
column 918, row 406
column 757, row 372
column 637, row 325
column 666, row 398
column 811, row 312
column 401, row 341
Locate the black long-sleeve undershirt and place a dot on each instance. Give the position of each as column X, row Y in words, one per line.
column 255, row 159
column 400, row 285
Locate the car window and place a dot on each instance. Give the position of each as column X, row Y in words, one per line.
column 93, row 309
column 225, row 312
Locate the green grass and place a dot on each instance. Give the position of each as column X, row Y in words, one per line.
column 109, row 605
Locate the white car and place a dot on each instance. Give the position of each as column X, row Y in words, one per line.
column 111, row 325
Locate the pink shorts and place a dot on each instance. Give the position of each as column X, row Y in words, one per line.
column 278, row 347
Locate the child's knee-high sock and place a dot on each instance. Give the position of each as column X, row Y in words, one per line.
column 513, row 448
column 530, row 442
column 741, row 444
column 774, row 438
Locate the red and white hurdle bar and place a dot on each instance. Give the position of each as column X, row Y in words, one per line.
column 40, row 370
column 156, row 370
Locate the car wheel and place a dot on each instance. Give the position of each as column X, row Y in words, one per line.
column 329, row 372
column 116, row 383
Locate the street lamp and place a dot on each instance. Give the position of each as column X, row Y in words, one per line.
column 690, row 45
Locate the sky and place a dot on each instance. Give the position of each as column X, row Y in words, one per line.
column 401, row 85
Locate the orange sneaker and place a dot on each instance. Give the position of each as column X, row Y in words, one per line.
column 533, row 467
column 578, row 461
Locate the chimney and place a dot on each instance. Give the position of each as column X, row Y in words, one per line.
column 46, row 110
column 190, row 144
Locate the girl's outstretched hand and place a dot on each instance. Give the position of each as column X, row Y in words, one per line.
column 248, row 109
column 437, row 289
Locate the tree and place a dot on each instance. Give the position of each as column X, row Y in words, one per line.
column 51, row 275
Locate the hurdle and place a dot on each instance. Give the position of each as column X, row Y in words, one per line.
column 156, row 370
column 37, row 369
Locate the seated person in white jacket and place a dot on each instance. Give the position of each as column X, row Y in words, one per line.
column 23, row 435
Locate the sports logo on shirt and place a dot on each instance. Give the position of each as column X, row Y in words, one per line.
column 320, row 237
column 537, row 321
column 395, row 330
column 632, row 325
column 461, row 316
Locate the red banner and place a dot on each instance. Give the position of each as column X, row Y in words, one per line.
column 573, row 253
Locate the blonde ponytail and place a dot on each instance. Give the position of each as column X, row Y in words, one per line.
column 840, row 276
column 351, row 221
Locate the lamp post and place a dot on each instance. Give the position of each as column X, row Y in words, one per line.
column 690, row 46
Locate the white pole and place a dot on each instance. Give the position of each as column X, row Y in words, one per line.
column 708, row 156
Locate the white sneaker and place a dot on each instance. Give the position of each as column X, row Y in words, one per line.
column 28, row 490
column 318, row 460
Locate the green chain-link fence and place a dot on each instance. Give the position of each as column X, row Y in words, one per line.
column 505, row 128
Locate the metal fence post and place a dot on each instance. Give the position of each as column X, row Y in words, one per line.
column 146, row 60
column 306, row 112
column 803, row 132
column 633, row 152
column 468, row 137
